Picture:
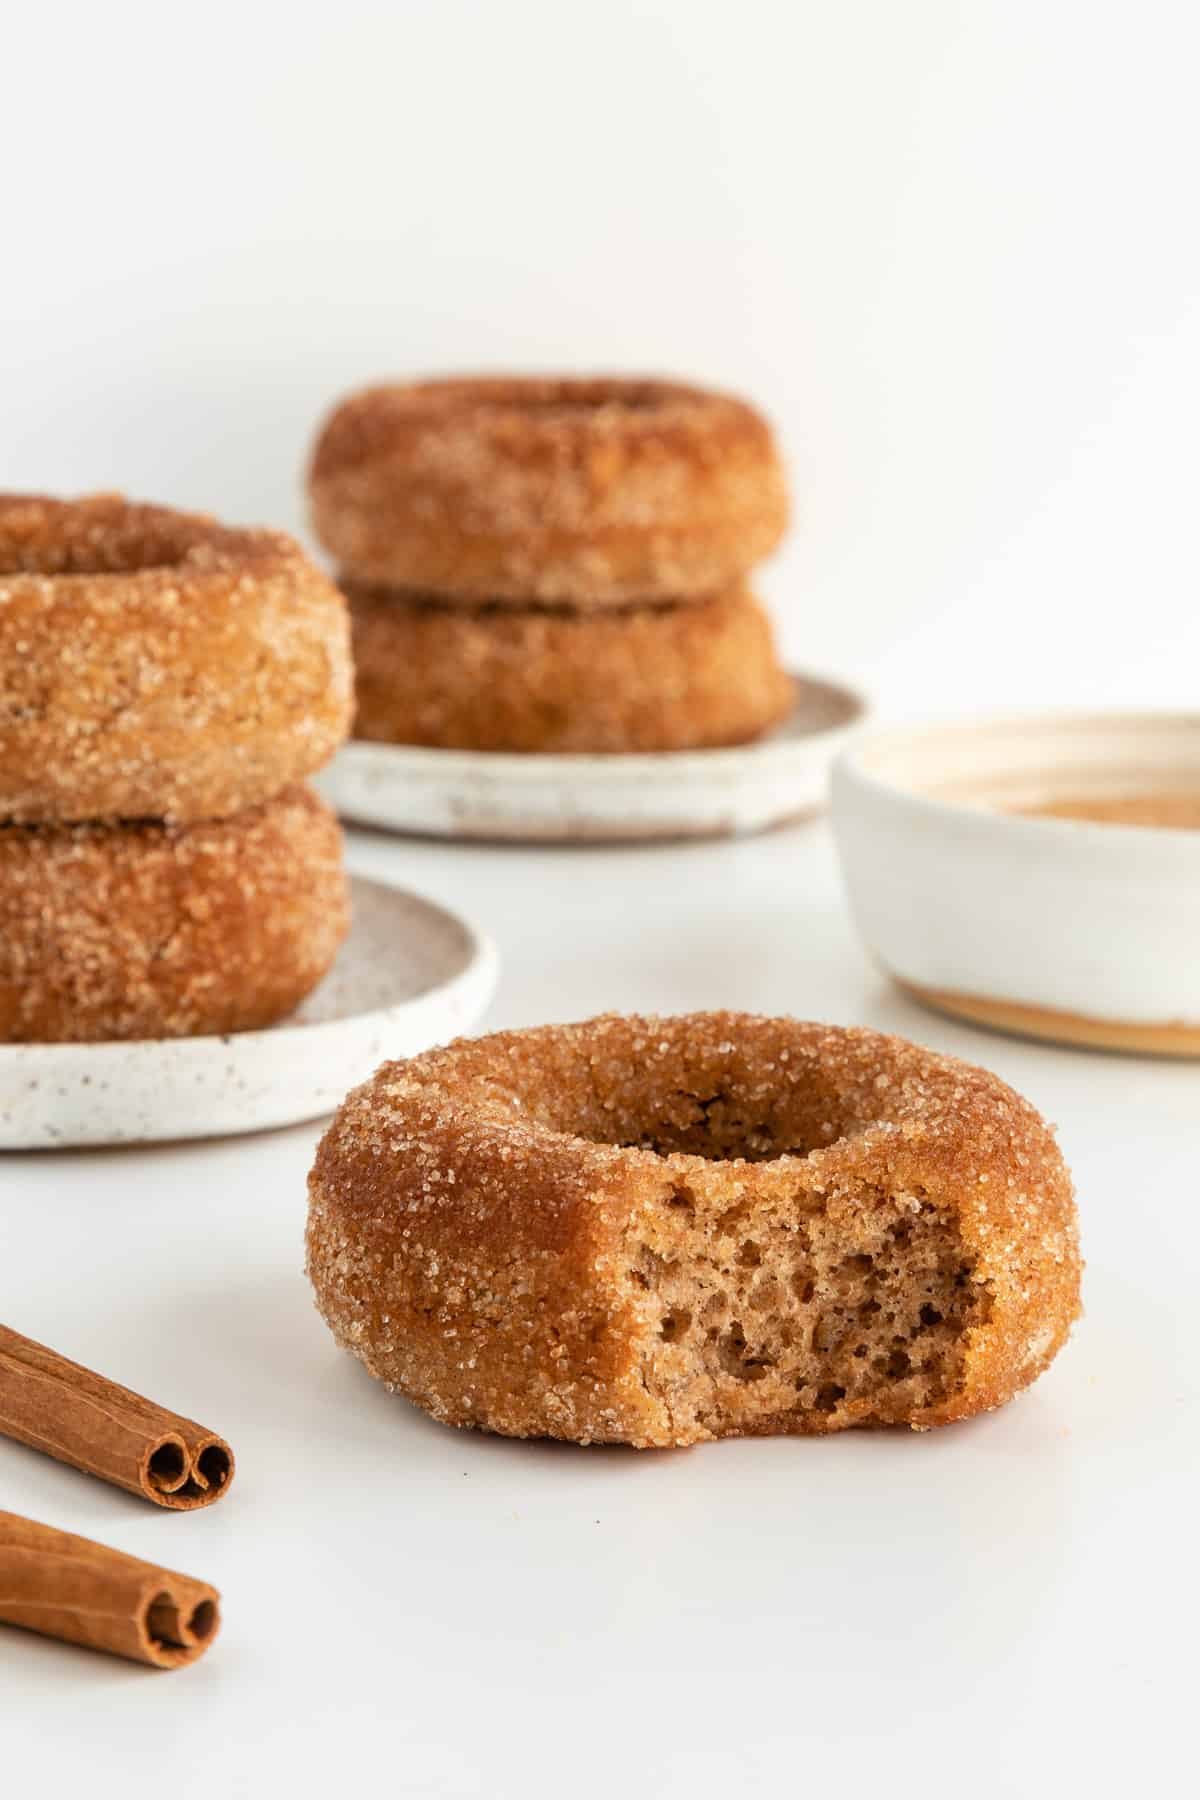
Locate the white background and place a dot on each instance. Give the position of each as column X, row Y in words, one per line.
column 953, row 250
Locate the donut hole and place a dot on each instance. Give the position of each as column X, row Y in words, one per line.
column 724, row 1120
column 100, row 535
column 569, row 396
column 728, row 1123
column 717, row 1127
column 755, row 1100
column 580, row 397
column 853, row 1305
column 117, row 552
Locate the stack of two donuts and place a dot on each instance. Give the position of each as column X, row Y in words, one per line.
column 554, row 565
column 166, row 684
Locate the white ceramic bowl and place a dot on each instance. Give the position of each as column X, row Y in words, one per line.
column 1075, row 930
column 601, row 799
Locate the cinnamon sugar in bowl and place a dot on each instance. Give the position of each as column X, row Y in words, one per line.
column 1038, row 875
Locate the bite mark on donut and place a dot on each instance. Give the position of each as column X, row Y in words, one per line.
column 851, row 1309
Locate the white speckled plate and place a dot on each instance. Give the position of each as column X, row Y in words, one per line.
column 409, row 975
column 594, row 799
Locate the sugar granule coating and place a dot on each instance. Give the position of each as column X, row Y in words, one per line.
column 593, row 492
column 644, row 678
column 151, row 930
column 156, row 664
column 657, row 1231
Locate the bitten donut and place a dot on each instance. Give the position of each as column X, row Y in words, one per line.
column 635, row 678
column 592, row 492
column 156, row 664
column 152, row 930
column 656, row 1231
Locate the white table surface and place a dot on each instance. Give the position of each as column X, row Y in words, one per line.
column 1001, row 1608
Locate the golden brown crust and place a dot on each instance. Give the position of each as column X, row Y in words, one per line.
column 150, row 930
column 473, row 1214
column 595, row 492
column 548, row 679
column 156, row 664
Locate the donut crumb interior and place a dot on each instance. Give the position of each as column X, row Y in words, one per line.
column 856, row 1302
column 782, row 1310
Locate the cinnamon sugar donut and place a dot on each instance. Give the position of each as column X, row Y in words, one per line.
column 657, row 1231
column 151, row 930
column 156, row 664
column 594, row 492
column 636, row 678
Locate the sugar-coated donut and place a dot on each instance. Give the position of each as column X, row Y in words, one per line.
column 660, row 677
column 151, row 930
column 656, row 1231
column 156, row 664
column 592, row 492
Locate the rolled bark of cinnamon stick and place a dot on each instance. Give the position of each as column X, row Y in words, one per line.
column 85, row 1593
column 84, row 1419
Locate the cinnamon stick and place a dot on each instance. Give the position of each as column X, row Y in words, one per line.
column 68, row 1587
column 82, row 1418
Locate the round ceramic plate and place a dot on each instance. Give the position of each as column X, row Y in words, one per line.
column 596, row 799
column 409, row 975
